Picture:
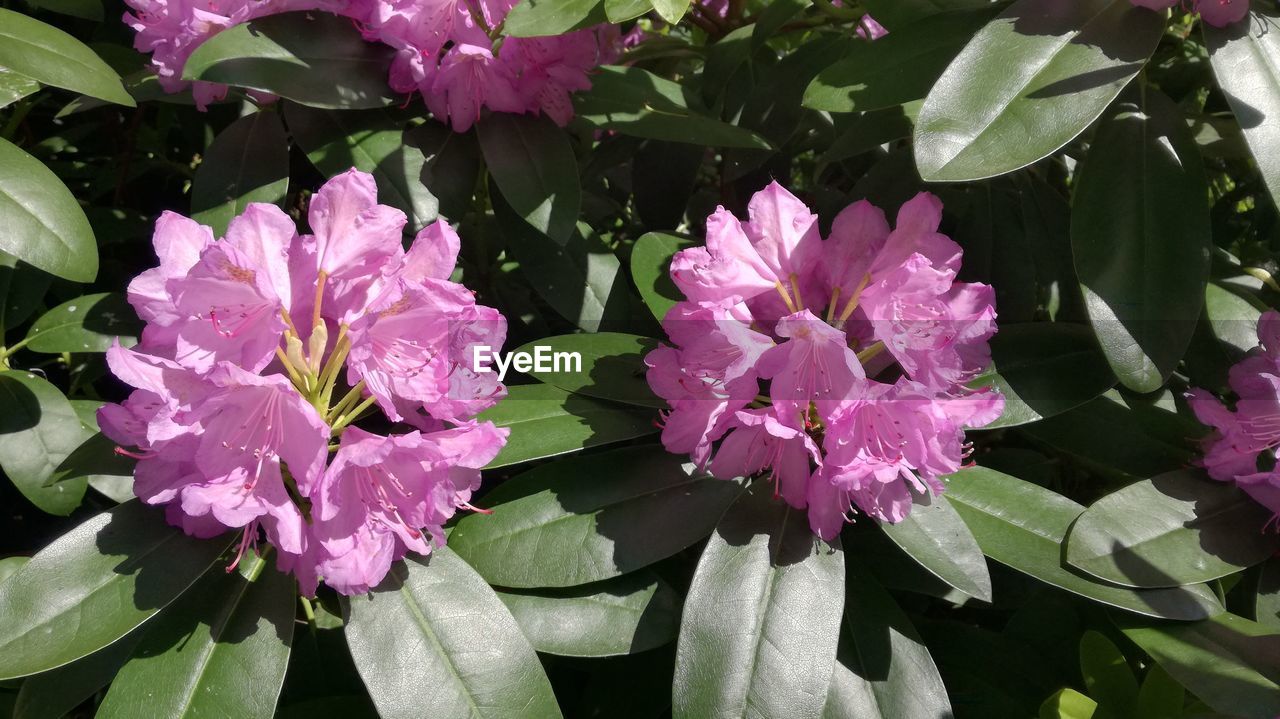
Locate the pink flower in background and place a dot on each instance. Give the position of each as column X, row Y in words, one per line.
column 239, row 393
column 1218, row 13
column 835, row 367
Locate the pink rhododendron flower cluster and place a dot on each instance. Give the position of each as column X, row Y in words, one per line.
column 239, row 378
column 1234, row 451
column 1218, row 13
column 836, row 366
column 446, row 49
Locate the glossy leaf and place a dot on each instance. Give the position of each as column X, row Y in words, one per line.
column 434, row 640
column 562, row 524
column 315, row 59
column 38, row 430
column 1043, row 369
column 761, row 620
column 900, row 67
column 1246, row 60
column 628, row 614
column 1177, row 528
column 537, row 18
column 622, row 10
column 610, row 366
column 22, row 288
column 1022, row 525
column 671, row 10
column 84, row 9
column 1067, row 703
column 220, row 651
column 86, row 324
column 546, row 421
column 56, row 693
column 247, row 162
column 1028, row 83
column 96, row 459
column 52, row 57
column 934, row 535
column 651, row 270
column 533, row 165
column 95, row 584
column 44, row 225
column 633, row 101
column 1227, row 662
column 1142, row 255
column 15, row 86
column 1107, row 675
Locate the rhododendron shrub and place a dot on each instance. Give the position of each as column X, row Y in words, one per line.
column 657, row 358
column 819, row 320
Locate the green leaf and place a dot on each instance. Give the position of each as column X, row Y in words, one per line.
column 1028, row 83
column 1043, row 369
column 83, row 9
column 900, row 67
column 881, row 650
column 671, row 10
column 533, row 165
column 1161, row 696
column 651, row 270
column 935, row 536
column 538, row 18
column 561, row 524
column 617, row 11
column 1228, row 662
column 9, row 565
column 1142, row 255
column 97, row 461
column 633, row 101
column 610, row 366
column 22, row 289
column 762, row 617
column 94, row 584
column 628, row 614
column 1107, row 675
column 581, row 279
column 38, row 430
column 546, row 421
column 44, row 225
column 1266, row 609
column 1232, row 318
column 1023, row 526
column 1246, row 61
column 1174, row 529
column 220, row 651
column 312, row 58
column 52, row 57
column 897, row 14
column 54, row 694
column 869, row 131
column 433, row 640
column 247, row 162
column 773, row 16
column 86, row 324
column 1067, row 703
column 425, row 170
column 15, row 86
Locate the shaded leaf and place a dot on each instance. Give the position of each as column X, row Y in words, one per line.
column 247, row 162
column 91, row 323
column 610, row 366
column 52, row 57
column 44, row 225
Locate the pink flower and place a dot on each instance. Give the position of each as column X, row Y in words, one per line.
column 821, row 321
column 1218, row 13
column 234, row 410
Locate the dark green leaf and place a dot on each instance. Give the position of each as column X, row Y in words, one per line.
column 96, row 459
column 1228, row 662
column 935, row 536
column 84, row 9
column 433, row 640
column 897, row 68
column 1043, row 369
column 533, row 165
column 761, row 621
column 1107, row 675
column 94, row 584
column 1023, row 526
column 1142, row 255
column 773, row 15
column 546, row 421
column 1030, row 82
column 869, row 131
column 15, row 86
column 43, row 224
column 1161, row 696
column 1246, row 59
column 651, row 270
column 91, row 323
column 1267, row 600
column 671, row 10
column 52, row 57
column 315, row 59
column 611, row 366
column 622, row 10
column 632, row 613
column 220, row 651
column 22, row 289
column 633, row 101
column 54, row 694
column 247, row 162
column 564, row 524
column 38, row 430
column 537, row 18
column 1177, row 528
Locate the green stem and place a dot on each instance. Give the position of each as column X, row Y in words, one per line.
column 5, row 352
column 352, row 416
